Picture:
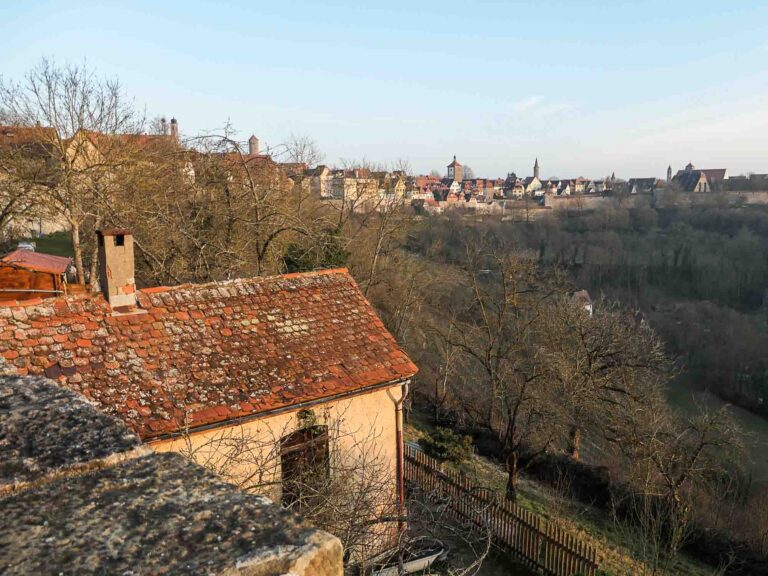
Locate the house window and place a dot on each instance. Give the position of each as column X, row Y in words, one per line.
column 119, row 240
column 304, row 458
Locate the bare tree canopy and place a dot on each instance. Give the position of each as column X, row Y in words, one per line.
column 82, row 120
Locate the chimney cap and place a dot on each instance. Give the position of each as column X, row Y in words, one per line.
column 114, row 232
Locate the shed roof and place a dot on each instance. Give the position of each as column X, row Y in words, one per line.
column 37, row 261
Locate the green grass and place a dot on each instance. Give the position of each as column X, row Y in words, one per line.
column 58, row 244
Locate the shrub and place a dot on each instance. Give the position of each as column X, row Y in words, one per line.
column 444, row 444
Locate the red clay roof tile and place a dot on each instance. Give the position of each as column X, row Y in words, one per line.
column 264, row 343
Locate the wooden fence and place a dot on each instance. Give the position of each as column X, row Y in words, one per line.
column 529, row 538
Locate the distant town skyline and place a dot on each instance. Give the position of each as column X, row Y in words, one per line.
column 588, row 87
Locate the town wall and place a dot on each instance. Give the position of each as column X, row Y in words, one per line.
column 579, row 202
column 668, row 199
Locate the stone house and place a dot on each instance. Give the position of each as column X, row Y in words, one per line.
column 299, row 364
column 692, row 179
column 25, row 214
column 532, row 186
column 320, row 181
column 643, row 185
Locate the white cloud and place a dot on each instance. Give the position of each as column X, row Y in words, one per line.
column 539, row 107
column 526, row 104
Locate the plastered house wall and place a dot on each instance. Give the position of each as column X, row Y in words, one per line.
column 357, row 424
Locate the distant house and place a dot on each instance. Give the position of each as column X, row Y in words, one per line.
column 25, row 274
column 320, row 181
column 532, row 186
column 752, row 182
column 580, row 185
column 550, row 187
column 582, row 298
column 642, row 185
column 293, row 170
column 39, row 144
column 716, row 177
column 692, row 179
column 513, row 186
column 601, row 186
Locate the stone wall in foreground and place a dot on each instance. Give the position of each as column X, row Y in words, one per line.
column 79, row 494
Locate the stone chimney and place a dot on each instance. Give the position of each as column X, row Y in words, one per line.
column 253, row 145
column 174, row 129
column 116, row 267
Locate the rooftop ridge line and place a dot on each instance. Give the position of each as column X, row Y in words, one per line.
column 37, row 301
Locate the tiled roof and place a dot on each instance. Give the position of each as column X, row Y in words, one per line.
column 687, row 179
column 204, row 354
column 30, row 139
column 38, row 261
column 715, row 174
column 141, row 142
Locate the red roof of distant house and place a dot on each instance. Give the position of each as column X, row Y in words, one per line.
column 31, row 139
column 582, row 297
column 139, row 141
column 17, row 134
column 37, row 261
column 206, row 354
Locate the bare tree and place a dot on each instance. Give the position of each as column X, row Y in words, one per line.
column 598, row 362
column 496, row 334
column 669, row 459
column 208, row 211
column 342, row 484
column 300, row 150
column 83, row 112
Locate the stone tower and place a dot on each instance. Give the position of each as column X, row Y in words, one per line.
column 669, row 173
column 253, row 145
column 455, row 170
column 175, row 129
column 536, row 170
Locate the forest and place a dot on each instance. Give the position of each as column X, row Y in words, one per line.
column 699, row 276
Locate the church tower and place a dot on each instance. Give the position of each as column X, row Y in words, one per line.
column 669, row 173
column 536, row 172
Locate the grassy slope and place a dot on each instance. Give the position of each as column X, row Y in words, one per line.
column 617, row 553
column 754, row 427
column 58, row 244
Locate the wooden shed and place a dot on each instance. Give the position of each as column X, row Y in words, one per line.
column 25, row 274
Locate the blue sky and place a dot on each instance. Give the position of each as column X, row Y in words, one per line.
column 589, row 87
